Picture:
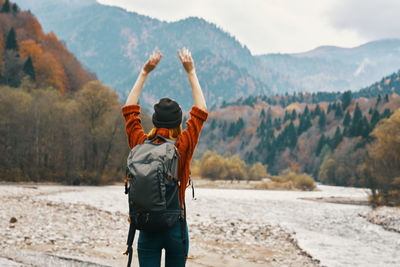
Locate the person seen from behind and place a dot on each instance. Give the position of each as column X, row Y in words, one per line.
column 167, row 121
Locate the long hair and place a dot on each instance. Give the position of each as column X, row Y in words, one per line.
column 173, row 133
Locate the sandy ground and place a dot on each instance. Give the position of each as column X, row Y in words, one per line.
column 39, row 232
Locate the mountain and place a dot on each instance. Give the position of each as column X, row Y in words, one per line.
column 114, row 43
column 330, row 68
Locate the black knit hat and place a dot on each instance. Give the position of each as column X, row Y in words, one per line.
column 167, row 114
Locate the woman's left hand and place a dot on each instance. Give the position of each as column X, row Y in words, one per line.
column 152, row 62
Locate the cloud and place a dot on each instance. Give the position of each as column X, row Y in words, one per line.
column 372, row 19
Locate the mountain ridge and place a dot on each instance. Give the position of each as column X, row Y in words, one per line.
column 114, row 43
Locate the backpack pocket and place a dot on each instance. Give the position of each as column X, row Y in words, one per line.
column 148, row 187
column 156, row 221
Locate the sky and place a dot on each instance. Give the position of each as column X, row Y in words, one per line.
column 283, row 26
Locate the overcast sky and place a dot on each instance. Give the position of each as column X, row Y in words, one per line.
column 284, row 26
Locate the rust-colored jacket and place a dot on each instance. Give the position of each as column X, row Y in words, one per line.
column 186, row 143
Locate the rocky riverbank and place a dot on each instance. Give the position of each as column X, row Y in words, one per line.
column 36, row 230
column 387, row 217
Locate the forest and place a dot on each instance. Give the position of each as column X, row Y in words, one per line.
column 58, row 122
column 331, row 136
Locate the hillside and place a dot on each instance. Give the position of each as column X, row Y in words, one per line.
column 388, row 85
column 303, row 131
column 25, row 50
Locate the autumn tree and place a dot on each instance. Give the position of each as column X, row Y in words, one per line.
column 385, row 160
column 257, row 171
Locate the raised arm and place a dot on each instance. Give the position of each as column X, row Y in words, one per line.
column 188, row 64
column 147, row 68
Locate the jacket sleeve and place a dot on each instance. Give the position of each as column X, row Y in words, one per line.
column 188, row 139
column 133, row 126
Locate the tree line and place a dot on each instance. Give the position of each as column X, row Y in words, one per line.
column 74, row 139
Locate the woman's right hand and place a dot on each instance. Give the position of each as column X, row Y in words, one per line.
column 152, row 62
column 186, row 59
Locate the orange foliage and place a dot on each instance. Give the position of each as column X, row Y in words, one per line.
column 34, row 27
column 32, row 49
column 51, row 59
column 50, row 72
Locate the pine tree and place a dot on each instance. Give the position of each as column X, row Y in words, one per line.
column 261, row 128
column 356, row 124
column 321, row 143
column 386, row 98
column 329, row 108
column 317, row 111
column 378, row 100
column 294, row 115
column 6, row 7
column 346, row 99
column 291, row 135
column 357, row 115
column 15, row 8
column 262, row 114
column 337, row 138
column 11, row 42
column 370, row 111
column 386, row 113
column 339, row 111
column 277, row 124
column 268, row 123
column 347, row 119
column 306, row 111
column 29, row 69
column 322, row 120
column 375, row 118
column 304, row 125
column 365, row 127
column 286, row 117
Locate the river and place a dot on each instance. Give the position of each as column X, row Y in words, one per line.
column 335, row 234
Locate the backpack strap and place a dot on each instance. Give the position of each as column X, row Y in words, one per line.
column 129, row 242
column 182, row 220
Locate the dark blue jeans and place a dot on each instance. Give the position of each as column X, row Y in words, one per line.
column 150, row 245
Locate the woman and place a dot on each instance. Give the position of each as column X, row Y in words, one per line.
column 167, row 119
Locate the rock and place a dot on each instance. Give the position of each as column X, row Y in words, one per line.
column 13, row 220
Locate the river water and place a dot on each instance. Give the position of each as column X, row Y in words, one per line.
column 333, row 233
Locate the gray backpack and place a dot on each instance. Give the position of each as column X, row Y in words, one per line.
column 152, row 186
